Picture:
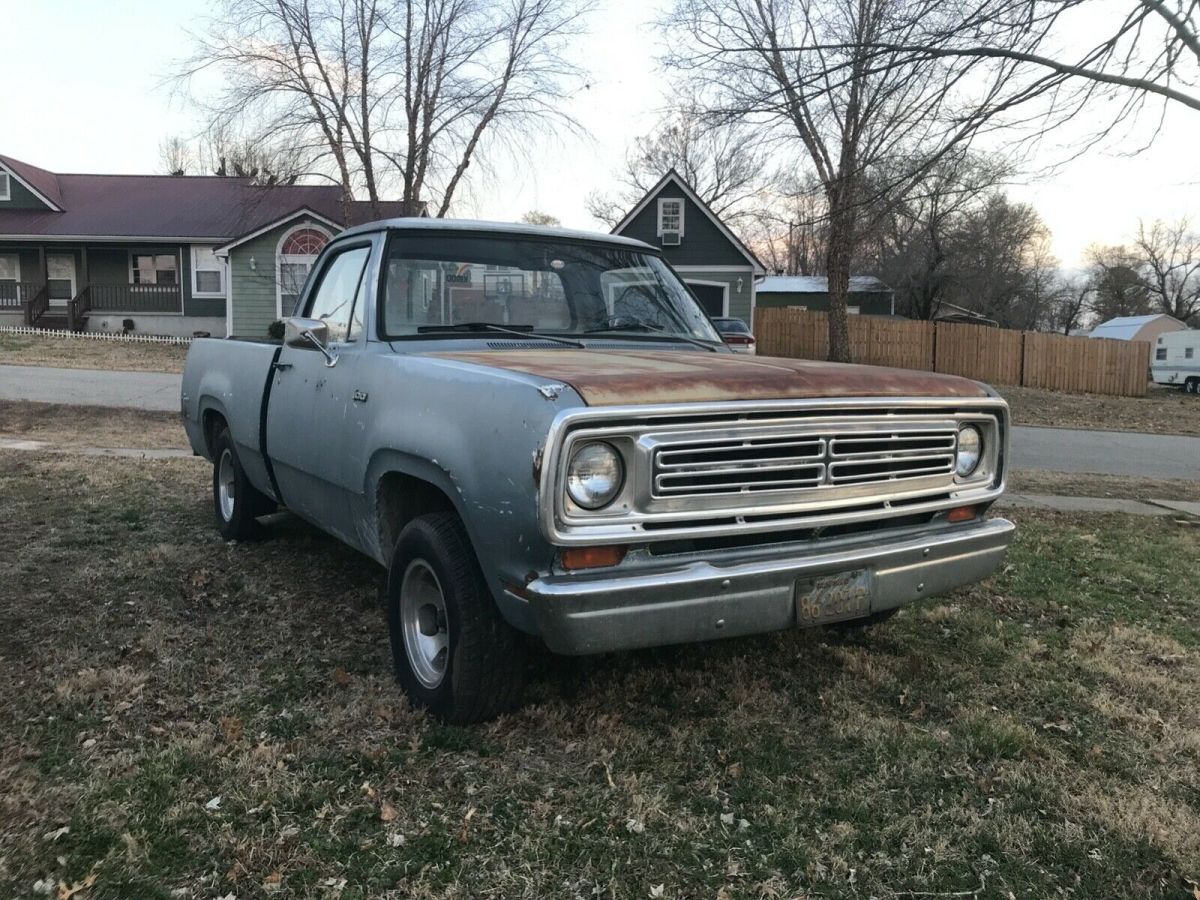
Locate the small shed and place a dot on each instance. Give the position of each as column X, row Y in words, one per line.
column 1137, row 328
column 868, row 295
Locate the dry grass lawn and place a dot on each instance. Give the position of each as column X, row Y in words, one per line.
column 66, row 426
column 85, row 353
column 180, row 717
column 1038, row 481
column 1162, row 411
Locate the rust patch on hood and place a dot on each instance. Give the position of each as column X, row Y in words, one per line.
column 617, row 377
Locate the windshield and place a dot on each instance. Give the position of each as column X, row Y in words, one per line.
column 534, row 284
column 731, row 326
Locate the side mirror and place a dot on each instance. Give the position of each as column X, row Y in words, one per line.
column 308, row 334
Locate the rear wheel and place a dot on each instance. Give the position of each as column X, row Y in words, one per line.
column 452, row 650
column 236, row 502
column 1192, row 386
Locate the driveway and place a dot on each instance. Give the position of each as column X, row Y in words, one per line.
column 91, row 387
column 1105, row 452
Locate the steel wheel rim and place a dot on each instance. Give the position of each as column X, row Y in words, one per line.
column 423, row 623
column 225, row 485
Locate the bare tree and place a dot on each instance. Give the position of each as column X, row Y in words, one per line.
column 1069, row 306
column 723, row 163
column 537, row 217
column 391, row 95
column 176, row 157
column 1170, row 255
column 1117, row 286
column 810, row 74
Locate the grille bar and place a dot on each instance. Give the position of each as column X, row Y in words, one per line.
column 842, row 455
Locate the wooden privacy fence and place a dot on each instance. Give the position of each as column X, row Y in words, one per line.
column 994, row 355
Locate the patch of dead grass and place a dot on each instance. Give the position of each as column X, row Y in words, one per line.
column 1161, row 411
column 66, row 426
column 1038, row 481
column 85, row 353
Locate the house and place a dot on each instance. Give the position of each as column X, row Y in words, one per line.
column 868, row 295
column 160, row 254
column 1137, row 328
column 714, row 263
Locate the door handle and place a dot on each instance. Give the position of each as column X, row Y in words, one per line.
column 278, row 366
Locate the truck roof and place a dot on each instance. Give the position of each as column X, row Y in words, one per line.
column 482, row 226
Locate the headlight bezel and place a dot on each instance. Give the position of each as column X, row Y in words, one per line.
column 605, row 500
column 979, row 454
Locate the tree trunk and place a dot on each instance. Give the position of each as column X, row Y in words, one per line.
column 837, row 271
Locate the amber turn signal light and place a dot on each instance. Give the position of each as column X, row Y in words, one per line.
column 592, row 557
column 961, row 514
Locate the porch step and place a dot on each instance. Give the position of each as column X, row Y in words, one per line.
column 53, row 322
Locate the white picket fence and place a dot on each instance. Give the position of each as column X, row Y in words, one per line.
column 96, row 335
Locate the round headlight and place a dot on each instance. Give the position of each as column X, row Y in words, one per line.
column 970, row 450
column 595, row 475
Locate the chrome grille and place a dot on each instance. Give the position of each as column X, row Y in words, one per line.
column 773, row 462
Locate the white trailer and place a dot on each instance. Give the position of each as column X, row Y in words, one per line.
column 1177, row 360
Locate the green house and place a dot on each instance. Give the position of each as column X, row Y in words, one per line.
column 160, row 254
column 714, row 263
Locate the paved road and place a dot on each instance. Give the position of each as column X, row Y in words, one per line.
column 1106, row 452
column 90, row 387
column 1053, row 449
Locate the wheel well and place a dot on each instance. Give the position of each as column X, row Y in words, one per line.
column 399, row 499
column 212, row 422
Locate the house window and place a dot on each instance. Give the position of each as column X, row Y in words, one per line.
column 1187, row 352
column 670, row 216
column 208, row 276
column 161, row 268
column 5, row 187
column 297, row 253
column 1160, row 353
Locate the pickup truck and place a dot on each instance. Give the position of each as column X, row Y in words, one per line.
column 542, row 437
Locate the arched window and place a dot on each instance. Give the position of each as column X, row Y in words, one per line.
column 297, row 252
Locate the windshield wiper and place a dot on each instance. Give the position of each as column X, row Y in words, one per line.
column 656, row 330
column 518, row 330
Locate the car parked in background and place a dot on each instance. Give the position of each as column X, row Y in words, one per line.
column 736, row 334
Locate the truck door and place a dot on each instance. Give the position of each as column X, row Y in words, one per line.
column 306, row 432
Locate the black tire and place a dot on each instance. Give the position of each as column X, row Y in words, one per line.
column 237, row 510
column 482, row 667
column 851, row 626
column 1192, row 386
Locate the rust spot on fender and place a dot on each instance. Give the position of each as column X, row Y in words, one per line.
column 616, row 377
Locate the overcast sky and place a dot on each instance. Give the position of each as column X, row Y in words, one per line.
column 88, row 94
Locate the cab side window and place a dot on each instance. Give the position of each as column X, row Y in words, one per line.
column 337, row 301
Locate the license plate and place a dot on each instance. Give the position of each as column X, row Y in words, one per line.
column 833, row 598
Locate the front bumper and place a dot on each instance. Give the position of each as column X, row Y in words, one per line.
column 752, row 591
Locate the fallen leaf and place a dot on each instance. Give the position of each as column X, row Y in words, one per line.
column 388, row 812
column 273, row 882
column 66, row 893
column 658, row 890
column 214, row 803
column 341, row 677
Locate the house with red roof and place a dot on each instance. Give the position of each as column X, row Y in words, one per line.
column 161, row 254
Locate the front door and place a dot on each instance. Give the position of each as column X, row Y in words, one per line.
column 60, row 278
column 711, row 297
column 309, row 398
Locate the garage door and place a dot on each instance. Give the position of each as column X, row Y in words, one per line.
column 711, row 297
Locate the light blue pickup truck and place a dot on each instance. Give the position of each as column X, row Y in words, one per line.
column 542, row 436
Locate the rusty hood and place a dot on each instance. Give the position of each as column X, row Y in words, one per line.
column 616, row 377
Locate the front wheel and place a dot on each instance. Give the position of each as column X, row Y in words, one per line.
column 452, row 650
column 236, row 502
column 1191, row 386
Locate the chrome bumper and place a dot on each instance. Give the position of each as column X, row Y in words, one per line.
column 750, row 592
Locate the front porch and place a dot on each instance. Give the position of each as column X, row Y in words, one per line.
column 59, row 287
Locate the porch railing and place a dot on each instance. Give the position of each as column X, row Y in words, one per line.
column 15, row 294
column 77, row 308
column 133, row 298
column 36, row 302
